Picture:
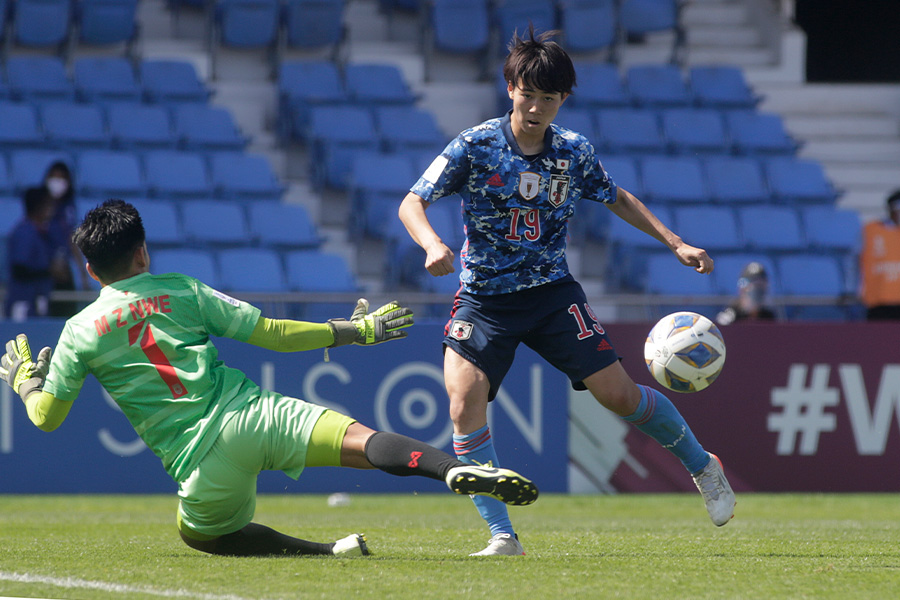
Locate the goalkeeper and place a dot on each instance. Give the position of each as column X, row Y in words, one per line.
column 147, row 341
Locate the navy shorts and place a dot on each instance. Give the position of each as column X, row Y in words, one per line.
column 553, row 319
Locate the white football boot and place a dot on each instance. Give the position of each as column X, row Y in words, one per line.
column 716, row 491
column 502, row 544
column 352, row 545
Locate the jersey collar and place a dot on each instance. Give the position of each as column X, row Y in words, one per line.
column 506, row 126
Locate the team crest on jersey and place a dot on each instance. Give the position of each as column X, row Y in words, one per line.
column 559, row 189
column 461, row 330
column 529, row 184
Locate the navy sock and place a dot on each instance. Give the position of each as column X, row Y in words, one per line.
column 478, row 448
column 657, row 417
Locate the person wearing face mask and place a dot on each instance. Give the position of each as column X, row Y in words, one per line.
column 59, row 186
column 752, row 300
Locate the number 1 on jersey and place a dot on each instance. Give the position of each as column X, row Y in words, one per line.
column 156, row 357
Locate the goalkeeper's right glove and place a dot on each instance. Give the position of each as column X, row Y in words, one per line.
column 367, row 329
column 23, row 375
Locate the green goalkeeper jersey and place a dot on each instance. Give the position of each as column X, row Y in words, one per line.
column 146, row 340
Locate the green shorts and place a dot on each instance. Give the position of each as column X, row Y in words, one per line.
column 274, row 433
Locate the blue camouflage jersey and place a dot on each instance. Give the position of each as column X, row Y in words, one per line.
column 515, row 208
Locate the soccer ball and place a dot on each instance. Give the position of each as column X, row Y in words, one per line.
column 685, row 352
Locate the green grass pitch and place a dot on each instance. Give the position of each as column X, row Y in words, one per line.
column 627, row 546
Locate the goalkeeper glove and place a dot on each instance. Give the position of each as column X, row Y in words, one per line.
column 365, row 328
column 23, row 375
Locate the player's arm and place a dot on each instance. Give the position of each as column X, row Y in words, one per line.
column 363, row 328
column 631, row 210
column 26, row 377
column 438, row 257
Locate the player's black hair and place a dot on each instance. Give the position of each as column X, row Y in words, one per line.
column 108, row 237
column 539, row 62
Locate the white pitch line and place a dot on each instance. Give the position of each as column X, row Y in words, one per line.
column 72, row 582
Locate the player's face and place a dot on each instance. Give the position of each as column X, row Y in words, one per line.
column 533, row 109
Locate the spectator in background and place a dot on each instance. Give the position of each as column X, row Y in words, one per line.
column 36, row 257
column 880, row 264
column 752, row 302
column 59, row 186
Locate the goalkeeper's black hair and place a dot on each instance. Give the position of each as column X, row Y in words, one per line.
column 108, row 237
column 539, row 63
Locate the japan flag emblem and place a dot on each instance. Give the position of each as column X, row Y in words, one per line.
column 461, row 330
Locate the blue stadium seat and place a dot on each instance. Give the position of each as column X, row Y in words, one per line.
column 201, row 127
column 162, row 223
column 658, row 86
column 303, row 84
column 30, row 166
column 74, row 126
column 515, row 16
column 714, row 228
column 579, row 120
column 214, row 223
column 630, row 248
column 631, row 130
column 104, row 174
column 799, row 180
column 832, row 229
column 106, row 79
column 695, row 131
column 590, row 26
column 625, row 173
column 810, row 275
column 405, row 128
column 316, row 271
column 176, row 174
column 42, row 23
column 241, row 176
column 674, row 179
column 730, row 266
column 107, row 22
column 736, row 179
column 310, row 24
column 19, row 126
column 600, row 85
column 640, row 17
column 172, row 82
column 378, row 182
column 377, row 84
column 197, row 263
column 245, row 24
column 667, row 276
column 458, row 27
column 771, row 228
column 141, row 127
column 758, row 133
column 337, row 133
column 38, row 78
column 7, row 181
column 251, row 270
column 721, row 86
column 282, row 225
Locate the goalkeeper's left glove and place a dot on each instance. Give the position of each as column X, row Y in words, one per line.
column 366, row 329
column 23, row 375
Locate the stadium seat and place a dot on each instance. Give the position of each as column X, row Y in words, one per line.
column 713, row 228
column 230, row 223
column 197, row 263
column 42, row 24
column 771, row 228
column 832, row 229
column 201, row 127
column 516, row 16
column 38, row 78
column 302, row 85
column 106, row 174
column 337, row 133
column 7, row 182
column 74, row 126
column 105, row 79
column 730, row 266
column 629, row 250
column 630, row 130
column 458, row 27
column 666, row 276
column 162, row 223
column 251, row 270
column 177, row 174
column 19, row 126
column 590, row 26
column 640, row 17
column 624, row 172
column 315, row 271
column 758, row 133
column 736, row 179
column 245, row 25
column 378, row 182
column 658, row 86
column 30, row 166
column 141, row 127
column 721, row 86
column 600, row 85
column 673, row 179
column 799, row 180
column 107, row 22
column 810, row 275
column 311, row 24
column 695, row 131
column 405, row 128
column 377, row 84
column 172, row 82
column 579, row 120
column 242, row 176
column 282, row 225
